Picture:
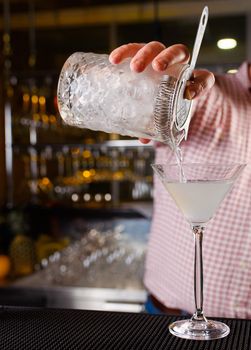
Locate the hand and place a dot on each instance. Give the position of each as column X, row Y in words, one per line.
column 161, row 57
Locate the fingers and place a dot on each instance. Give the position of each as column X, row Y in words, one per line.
column 124, row 51
column 153, row 52
column 146, row 55
column 142, row 54
column 200, row 84
column 177, row 53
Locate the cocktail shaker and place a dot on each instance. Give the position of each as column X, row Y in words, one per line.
column 95, row 94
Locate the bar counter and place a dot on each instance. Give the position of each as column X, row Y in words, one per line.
column 41, row 328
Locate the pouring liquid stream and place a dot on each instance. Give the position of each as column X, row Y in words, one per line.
column 179, row 159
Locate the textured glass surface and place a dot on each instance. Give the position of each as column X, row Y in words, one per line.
column 94, row 94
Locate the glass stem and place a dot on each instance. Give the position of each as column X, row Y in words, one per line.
column 198, row 273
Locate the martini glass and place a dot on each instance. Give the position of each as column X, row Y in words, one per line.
column 198, row 190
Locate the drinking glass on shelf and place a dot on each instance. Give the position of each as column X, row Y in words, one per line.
column 198, row 190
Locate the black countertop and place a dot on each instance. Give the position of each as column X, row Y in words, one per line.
column 38, row 328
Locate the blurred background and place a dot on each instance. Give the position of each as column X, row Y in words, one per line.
column 75, row 204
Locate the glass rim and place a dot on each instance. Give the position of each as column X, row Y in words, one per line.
column 164, row 171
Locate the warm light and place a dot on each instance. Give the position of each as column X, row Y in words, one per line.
column 45, row 118
column 226, row 44
column 42, row 100
column 86, row 154
column 86, row 174
column 53, row 119
column 36, row 117
column 26, row 97
column 75, row 151
column 232, row 71
column 34, row 99
column 45, row 181
column 118, row 175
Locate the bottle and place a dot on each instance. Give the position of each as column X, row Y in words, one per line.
column 95, row 94
column 22, row 255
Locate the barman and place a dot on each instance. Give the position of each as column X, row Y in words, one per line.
column 220, row 132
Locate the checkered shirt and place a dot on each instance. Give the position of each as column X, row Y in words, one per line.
column 220, row 131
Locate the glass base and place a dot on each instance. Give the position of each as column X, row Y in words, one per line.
column 199, row 330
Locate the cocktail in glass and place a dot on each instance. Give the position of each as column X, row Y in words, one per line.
column 198, row 190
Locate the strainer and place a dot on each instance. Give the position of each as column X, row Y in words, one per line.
column 172, row 111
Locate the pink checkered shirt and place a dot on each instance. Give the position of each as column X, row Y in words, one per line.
column 220, row 132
